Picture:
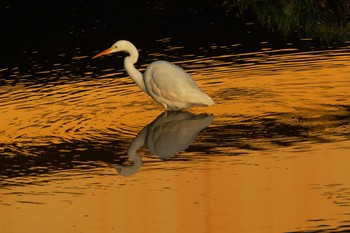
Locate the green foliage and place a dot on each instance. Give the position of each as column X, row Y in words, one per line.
column 325, row 20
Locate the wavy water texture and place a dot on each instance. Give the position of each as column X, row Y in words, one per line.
column 68, row 123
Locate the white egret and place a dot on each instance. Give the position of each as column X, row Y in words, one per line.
column 166, row 83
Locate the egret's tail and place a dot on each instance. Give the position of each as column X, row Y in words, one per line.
column 210, row 101
column 206, row 100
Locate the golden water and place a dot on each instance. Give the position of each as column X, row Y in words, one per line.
column 271, row 156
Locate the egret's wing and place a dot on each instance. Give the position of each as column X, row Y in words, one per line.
column 170, row 81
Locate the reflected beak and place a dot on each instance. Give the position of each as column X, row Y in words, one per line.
column 107, row 51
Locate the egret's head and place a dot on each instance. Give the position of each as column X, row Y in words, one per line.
column 120, row 45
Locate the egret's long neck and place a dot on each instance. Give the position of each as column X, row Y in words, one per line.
column 129, row 62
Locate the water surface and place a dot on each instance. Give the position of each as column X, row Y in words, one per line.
column 84, row 150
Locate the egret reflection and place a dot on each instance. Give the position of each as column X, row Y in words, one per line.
column 168, row 134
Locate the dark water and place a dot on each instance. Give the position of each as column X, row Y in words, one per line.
column 78, row 137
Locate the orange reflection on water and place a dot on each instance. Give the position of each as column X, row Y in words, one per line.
column 285, row 116
column 257, row 193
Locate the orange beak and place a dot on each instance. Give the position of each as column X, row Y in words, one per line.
column 107, row 51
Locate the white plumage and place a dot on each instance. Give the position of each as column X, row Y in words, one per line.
column 166, row 83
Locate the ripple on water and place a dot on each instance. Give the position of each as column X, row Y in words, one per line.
column 70, row 127
column 265, row 100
